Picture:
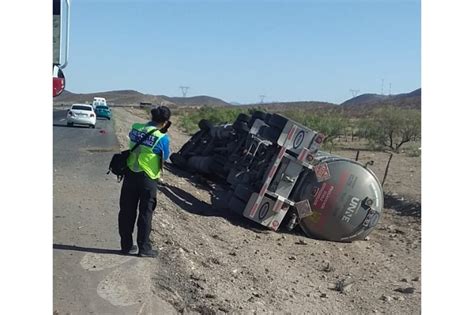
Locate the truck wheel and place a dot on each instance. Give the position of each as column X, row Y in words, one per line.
column 277, row 121
column 240, row 126
column 216, row 165
column 243, row 117
column 236, row 205
column 178, row 160
column 205, row 124
column 69, row 124
column 243, row 192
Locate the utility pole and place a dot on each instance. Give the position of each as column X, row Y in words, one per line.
column 390, row 89
column 184, row 90
column 382, row 85
column 261, row 98
column 354, row 92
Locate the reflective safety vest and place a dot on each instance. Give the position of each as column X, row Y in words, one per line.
column 142, row 159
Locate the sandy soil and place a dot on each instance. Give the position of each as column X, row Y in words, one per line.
column 212, row 261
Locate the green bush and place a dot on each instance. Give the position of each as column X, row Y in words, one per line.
column 413, row 151
column 391, row 127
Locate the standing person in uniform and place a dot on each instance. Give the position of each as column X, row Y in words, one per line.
column 140, row 182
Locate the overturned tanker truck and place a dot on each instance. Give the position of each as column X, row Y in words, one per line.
column 277, row 176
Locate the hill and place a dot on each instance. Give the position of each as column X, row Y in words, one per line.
column 368, row 101
column 282, row 106
column 199, row 100
column 132, row 97
column 358, row 104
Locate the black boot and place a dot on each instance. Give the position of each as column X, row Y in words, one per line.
column 149, row 253
column 132, row 251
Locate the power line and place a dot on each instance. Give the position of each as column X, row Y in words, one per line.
column 184, row 90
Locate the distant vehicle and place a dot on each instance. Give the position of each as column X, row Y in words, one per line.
column 82, row 114
column 103, row 111
column 99, row 101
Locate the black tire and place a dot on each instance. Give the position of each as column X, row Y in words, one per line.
column 178, row 160
column 239, row 125
column 92, row 126
column 243, row 192
column 219, row 159
column 216, row 165
column 205, row 124
column 269, row 133
column 277, row 121
column 189, row 146
column 243, row 117
column 236, row 205
column 70, row 124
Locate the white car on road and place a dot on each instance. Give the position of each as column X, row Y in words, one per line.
column 81, row 114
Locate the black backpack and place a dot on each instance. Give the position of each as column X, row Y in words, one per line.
column 118, row 164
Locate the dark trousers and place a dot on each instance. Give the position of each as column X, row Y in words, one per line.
column 138, row 190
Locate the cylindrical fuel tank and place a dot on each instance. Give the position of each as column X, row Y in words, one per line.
column 346, row 199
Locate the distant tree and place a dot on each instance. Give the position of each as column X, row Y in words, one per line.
column 392, row 127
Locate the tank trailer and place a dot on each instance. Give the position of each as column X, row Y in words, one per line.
column 276, row 175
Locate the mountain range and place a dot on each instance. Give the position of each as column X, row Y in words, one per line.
column 405, row 100
column 132, row 97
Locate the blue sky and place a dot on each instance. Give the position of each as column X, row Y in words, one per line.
column 238, row 50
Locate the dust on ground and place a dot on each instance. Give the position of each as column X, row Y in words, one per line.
column 212, row 261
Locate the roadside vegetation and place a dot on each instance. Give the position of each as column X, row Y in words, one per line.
column 385, row 128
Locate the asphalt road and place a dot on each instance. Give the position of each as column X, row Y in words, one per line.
column 89, row 274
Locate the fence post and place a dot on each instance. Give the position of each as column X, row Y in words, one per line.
column 386, row 168
column 357, row 155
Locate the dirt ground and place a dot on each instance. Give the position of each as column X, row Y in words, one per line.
column 213, row 262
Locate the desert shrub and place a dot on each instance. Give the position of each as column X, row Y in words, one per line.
column 391, row 127
column 413, row 151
